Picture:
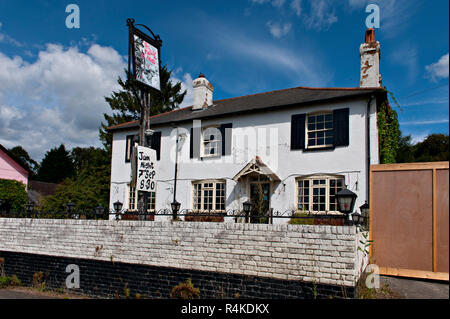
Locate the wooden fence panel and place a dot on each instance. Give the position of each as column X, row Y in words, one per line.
column 409, row 219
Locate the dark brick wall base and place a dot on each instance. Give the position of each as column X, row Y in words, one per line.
column 109, row 279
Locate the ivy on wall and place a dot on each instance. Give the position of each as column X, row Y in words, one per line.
column 13, row 195
column 388, row 131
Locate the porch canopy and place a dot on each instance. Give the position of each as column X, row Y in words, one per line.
column 256, row 166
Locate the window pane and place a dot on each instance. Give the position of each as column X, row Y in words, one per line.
column 320, row 141
column 320, row 118
column 328, row 125
column 320, row 126
column 329, row 117
column 311, row 119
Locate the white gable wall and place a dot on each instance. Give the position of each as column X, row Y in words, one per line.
column 348, row 161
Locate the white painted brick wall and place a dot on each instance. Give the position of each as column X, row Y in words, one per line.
column 325, row 254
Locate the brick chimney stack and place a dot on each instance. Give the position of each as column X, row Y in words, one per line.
column 370, row 61
column 203, row 93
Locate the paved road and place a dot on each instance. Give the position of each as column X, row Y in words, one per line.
column 417, row 289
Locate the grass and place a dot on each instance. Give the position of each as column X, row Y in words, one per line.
column 384, row 292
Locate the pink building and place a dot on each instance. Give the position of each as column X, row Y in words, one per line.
column 10, row 167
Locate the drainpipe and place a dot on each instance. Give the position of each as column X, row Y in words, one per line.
column 369, row 102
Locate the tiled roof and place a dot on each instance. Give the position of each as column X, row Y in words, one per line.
column 297, row 96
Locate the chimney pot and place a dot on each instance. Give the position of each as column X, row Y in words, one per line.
column 370, row 35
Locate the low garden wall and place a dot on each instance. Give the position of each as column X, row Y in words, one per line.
column 224, row 260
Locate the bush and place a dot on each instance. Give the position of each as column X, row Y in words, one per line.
column 13, row 194
column 185, row 291
column 301, row 221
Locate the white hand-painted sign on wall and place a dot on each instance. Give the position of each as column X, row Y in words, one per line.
column 146, row 169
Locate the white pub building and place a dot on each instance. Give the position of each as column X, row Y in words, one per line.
column 297, row 147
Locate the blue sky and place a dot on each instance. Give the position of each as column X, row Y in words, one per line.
column 53, row 79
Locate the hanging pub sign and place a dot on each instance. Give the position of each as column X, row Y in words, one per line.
column 145, row 169
column 144, row 58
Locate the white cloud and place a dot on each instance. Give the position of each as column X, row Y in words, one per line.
column 321, row 15
column 296, row 5
column 59, row 98
column 186, row 84
column 275, row 3
column 438, row 70
column 429, row 122
column 4, row 38
column 278, row 30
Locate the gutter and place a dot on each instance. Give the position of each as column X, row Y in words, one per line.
column 369, row 102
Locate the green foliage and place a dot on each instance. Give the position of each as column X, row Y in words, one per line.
column 13, row 194
column 38, row 281
column 25, row 159
column 301, row 221
column 389, row 133
column 185, row 291
column 434, row 148
column 56, row 166
column 9, row 281
column 90, row 185
column 125, row 103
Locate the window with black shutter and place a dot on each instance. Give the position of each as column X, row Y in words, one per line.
column 207, row 142
column 319, row 128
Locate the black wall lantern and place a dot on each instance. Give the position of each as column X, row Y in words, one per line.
column 175, row 208
column 118, row 206
column 357, row 218
column 247, row 206
column 29, row 207
column 99, row 210
column 364, row 209
column 346, row 201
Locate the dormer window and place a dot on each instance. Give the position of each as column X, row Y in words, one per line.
column 211, row 141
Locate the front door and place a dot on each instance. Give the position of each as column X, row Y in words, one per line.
column 260, row 198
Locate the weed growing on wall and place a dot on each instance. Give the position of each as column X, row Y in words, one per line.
column 185, row 291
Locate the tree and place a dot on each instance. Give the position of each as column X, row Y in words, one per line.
column 405, row 152
column 13, row 195
column 25, row 159
column 56, row 166
column 89, row 187
column 434, row 148
column 125, row 103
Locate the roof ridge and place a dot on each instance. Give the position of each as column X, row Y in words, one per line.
column 306, row 88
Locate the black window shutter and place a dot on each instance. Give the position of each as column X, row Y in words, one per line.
column 155, row 143
column 226, row 138
column 298, row 132
column 128, row 147
column 191, row 147
column 341, row 127
column 195, row 147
